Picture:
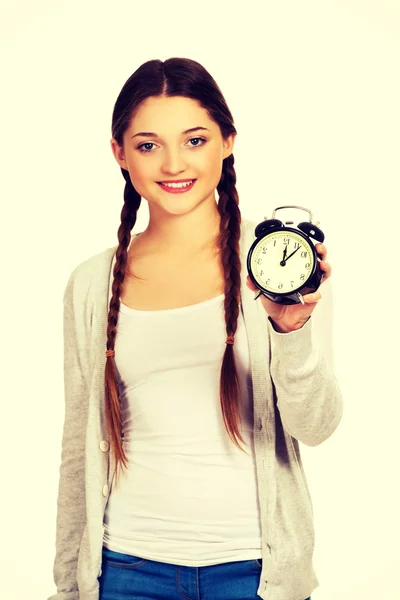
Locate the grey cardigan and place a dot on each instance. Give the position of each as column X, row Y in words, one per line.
column 296, row 398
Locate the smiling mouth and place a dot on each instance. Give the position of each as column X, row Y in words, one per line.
column 177, row 189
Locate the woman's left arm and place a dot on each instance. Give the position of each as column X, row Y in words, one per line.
column 301, row 365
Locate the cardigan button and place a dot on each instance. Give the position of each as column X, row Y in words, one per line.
column 259, row 424
column 104, row 446
column 105, row 490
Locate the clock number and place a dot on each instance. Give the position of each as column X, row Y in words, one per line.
column 268, row 280
column 307, row 265
column 292, row 282
column 297, row 245
column 286, row 240
column 261, row 272
column 280, row 286
column 259, row 261
column 302, row 277
column 304, row 255
column 264, row 250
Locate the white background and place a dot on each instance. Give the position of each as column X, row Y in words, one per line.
column 314, row 90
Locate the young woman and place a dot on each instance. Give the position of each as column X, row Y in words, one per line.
column 169, row 363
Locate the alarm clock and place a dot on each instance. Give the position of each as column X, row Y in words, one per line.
column 283, row 261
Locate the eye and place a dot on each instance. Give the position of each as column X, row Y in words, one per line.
column 198, row 138
column 141, row 147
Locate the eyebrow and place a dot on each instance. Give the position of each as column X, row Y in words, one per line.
column 152, row 134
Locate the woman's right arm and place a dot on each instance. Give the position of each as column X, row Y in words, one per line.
column 71, row 507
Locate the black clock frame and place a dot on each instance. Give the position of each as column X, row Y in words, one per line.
column 314, row 280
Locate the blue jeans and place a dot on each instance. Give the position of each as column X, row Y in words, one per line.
column 126, row 577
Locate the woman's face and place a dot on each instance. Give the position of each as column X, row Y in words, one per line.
column 167, row 153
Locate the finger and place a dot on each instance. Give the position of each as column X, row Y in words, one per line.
column 326, row 268
column 312, row 298
column 321, row 251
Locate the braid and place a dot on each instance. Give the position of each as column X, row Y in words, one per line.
column 131, row 205
column 230, row 225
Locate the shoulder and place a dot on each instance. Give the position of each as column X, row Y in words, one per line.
column 249, row 224
column 248, row 235
column 87, row 276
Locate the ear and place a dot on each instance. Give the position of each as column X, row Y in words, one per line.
column 228, row 145
column 118, row 152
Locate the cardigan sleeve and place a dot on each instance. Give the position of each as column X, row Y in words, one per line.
column 71, row 507
column 301, row 366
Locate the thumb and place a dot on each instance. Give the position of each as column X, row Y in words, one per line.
column 250, row 284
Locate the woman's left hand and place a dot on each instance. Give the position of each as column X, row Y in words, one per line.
column 290, row 317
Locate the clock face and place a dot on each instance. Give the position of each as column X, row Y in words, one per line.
column 282, row 262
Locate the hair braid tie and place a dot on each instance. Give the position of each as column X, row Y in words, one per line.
column 110, row 353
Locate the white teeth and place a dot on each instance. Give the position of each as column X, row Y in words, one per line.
column 178, row 185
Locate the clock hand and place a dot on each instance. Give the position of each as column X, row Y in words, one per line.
column 287, row 258
column 283, row 261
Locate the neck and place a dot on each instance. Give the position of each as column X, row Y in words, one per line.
column 182, row 235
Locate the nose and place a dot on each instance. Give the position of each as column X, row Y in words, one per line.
column 173, row 162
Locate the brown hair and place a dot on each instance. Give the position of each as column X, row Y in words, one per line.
column 188, row 78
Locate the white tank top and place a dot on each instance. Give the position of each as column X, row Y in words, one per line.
column 189, row 496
